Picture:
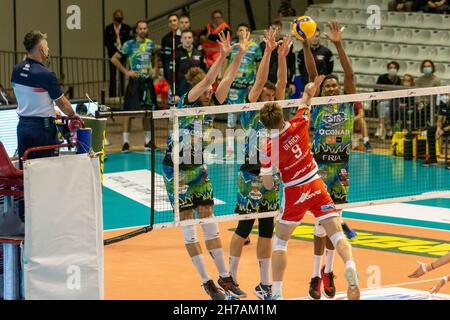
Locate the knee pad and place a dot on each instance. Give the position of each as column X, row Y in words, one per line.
column 319, row 231
column 335, row 238
column 210, row 231
column 190, row 234
column 279, row 245
column 265, row 228
column 244, row 228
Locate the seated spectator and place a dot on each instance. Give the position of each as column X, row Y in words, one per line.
column 384, row 107
column 433, row 6
column 401, row 5
column 286, row 9
column 428, row 79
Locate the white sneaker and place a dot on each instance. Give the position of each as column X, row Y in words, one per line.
column 352, row 278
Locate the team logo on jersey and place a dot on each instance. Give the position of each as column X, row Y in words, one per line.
column 307, row 196
column 335, row 119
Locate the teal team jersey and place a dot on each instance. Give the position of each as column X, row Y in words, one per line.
column 247, row 70
column 333, row 129
column 139, row 56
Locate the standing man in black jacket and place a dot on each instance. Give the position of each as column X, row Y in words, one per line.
column 168, row 47
column 187, row 57
column 116, row 34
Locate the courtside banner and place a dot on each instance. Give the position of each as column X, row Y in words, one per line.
column 63, row 256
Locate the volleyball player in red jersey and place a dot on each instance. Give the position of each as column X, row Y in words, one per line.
column 288, row 151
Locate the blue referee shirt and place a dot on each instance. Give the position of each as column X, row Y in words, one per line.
column 36, row 88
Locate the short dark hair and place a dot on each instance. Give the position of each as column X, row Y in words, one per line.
column 216, row 11
column 185, row 15
column 276, row 23
column 431, row 62
column 243, row 24
column 173, row 15
column 395, row 63
column 328, row 77
column 32, row 39
column 139, row 22
column 188, row 31
column 270, row 85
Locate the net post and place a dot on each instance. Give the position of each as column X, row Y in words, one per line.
column 176, row 167
column 153, row 168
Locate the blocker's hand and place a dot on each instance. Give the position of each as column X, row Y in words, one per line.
column 420, row 271
column 439, row 285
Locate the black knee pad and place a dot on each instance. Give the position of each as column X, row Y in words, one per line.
column 244, row 228
column 266, row 226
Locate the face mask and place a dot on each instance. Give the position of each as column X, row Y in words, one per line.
column 118, row 19
column 445, row 99
column 392, row 72
column 427, row 70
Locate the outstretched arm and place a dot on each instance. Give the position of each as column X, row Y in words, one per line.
column 232, row 70
column 211, row 76
column 335, row 36
column 424, row 268
column 282, row 75
column 311, row 89
column 263, row 71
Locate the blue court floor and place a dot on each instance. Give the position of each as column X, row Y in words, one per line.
column 372, row 177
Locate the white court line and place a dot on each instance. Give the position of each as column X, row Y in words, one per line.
column 383, row 287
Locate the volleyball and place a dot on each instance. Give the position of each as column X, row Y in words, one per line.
column 304, row 27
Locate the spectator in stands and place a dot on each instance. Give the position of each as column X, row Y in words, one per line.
column 210, row 35
column 433, row 6
column 290, row 59
column 116, row 34
column 169, row 44
column 185, row 24
column 322, row 56
column 187, row 57
column 384, row 107
column 286, row 9
column 360, row 129
column 140, row 92
column 429, row 79
column 5, row 99
column 401, row 5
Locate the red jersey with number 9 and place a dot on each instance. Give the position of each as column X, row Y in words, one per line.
column 289, row 151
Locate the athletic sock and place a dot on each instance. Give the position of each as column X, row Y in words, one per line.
column 317, row 265
column 277, row 287
column 234, row 263
column 219, row 260
column 199, row 264
column 264, row 271
column 148, row 137
column 350, row 265
column 126, row 137
column 329, row 260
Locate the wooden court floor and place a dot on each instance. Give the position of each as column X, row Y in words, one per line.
column 156, row 266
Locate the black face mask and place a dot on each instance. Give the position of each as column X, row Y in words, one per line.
column 118, row 19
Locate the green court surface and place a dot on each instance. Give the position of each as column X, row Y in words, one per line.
column 372, row 177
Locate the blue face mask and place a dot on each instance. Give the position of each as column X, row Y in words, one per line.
column 427, row 70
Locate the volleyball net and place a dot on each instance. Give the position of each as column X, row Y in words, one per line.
column 193, row 163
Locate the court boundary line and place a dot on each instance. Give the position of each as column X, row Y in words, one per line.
column 382, row 287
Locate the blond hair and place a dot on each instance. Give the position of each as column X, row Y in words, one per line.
column 271, row 115
column 194, row 76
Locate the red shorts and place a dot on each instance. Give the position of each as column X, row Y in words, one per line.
column 311, row 196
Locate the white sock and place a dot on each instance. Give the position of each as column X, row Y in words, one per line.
column 234, row 263
column 329, row 260
column 277, row 287
column 199, row 264
column 126, row 137
column 317, row 265
column 350, row 264
column 219, row 260
column 264, row 271
column 148, row 136
column 366, row 139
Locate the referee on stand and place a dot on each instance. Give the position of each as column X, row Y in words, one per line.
column 37, row 89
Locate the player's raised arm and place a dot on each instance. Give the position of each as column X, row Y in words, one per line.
column 214, row 71
column 232, row 70
column 424, row 268
column 310, row 63
column 311, row 89
column 283, row 51
column 263, row 70
column 335, row 36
